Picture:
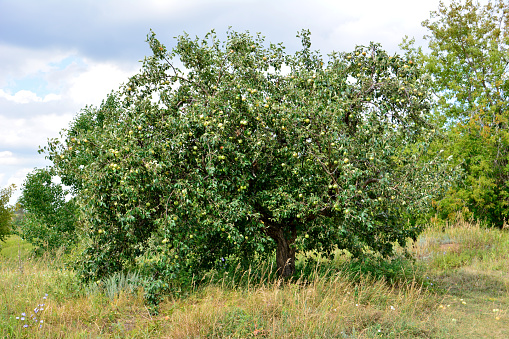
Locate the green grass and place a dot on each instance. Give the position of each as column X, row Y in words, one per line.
column 458, row 287
column 13, row 245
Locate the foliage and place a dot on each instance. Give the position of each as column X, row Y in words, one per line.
column 247, row 151
column 6, row 211
column 49, row 221
column 469, row 64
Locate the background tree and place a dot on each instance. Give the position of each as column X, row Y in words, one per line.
column 6, row 211
column 469, row 64
column 249, row 151
column 49, row 220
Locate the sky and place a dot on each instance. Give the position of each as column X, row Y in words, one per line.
column 57, row 56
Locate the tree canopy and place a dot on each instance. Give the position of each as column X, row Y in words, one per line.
column 469, row 63
column 49, row 220
column 248, row 151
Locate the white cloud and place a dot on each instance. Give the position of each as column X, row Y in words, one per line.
column 7, row 158
column 18, row 62
column 32, row 132
column 25, row 96
column 93, row 85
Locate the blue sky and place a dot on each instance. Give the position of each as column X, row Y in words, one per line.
column 56, row 56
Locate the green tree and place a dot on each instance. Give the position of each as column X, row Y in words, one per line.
column 469, row 63
column 249, row 151
column 49, row 220
column 6, row 211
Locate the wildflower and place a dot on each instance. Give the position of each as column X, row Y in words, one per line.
column 392, row 308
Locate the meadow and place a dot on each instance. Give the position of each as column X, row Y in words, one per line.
column 457, row 286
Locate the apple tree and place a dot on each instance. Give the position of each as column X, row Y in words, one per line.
column 238, row 150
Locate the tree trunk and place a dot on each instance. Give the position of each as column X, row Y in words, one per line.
column 285, row 253
column 285, row 257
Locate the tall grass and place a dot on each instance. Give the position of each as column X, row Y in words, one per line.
column 324, row 307
column 457, row 288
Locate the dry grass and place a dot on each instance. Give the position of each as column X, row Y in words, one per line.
column 470, row 264
column 325, row 308
column 465, row 294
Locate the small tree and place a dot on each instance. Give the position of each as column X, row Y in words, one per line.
column 49, row 221
column 6, row 211
column 250, row 150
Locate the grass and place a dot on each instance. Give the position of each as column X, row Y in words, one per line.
column 458, row 287
column 13, row 244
